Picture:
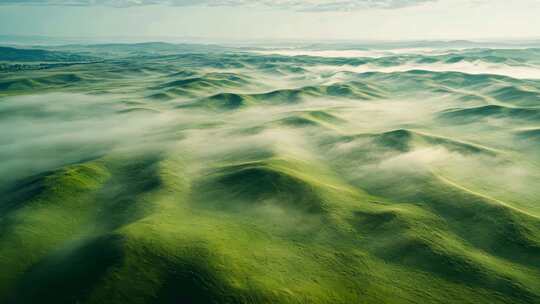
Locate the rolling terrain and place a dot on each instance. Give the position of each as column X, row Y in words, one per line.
column 162, row 173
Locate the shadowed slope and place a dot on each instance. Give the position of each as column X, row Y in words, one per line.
column 472, row 115
column 262, row 182
column 403, row 140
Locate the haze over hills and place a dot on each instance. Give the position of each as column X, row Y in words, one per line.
column 336, row 173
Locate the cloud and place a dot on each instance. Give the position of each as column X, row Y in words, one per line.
column 297, row 5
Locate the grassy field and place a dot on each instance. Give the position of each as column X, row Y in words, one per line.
column 157, row 173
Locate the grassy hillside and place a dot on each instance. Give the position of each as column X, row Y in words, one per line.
column 183, row 174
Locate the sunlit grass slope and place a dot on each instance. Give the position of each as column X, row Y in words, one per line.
column 274, row 230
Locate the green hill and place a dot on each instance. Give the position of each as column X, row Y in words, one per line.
column 166, row 173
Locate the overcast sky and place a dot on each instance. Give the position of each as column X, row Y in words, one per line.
column 279, row 19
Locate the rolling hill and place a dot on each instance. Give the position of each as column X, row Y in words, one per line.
column 165, row 173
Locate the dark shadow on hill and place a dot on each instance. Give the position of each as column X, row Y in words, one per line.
column 249, row 185
column 69, row 275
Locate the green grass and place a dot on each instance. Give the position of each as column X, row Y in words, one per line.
column 241, row 178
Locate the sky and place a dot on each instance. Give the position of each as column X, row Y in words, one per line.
column 321, row 20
